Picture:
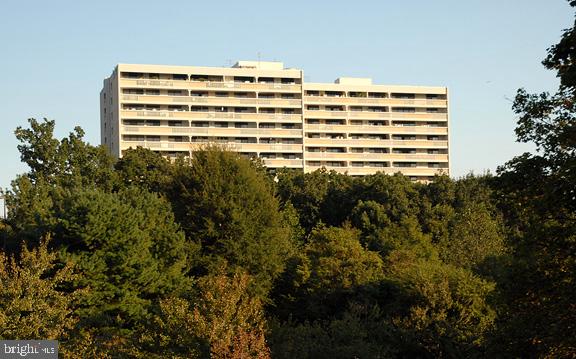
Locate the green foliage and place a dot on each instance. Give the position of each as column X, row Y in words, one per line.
column 128, row 248
column 69, row 162
column 33, row 303
column 306, row 192
column 226, row 204
column 143, row 168
column 537, row 196
column 443, row 310
column 335, row 260
column 361, row 332
column 475, row 237
column 329, row 272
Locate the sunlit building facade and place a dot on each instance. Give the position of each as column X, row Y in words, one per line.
column 263, row 109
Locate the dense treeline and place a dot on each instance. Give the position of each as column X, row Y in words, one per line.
column 213, row 256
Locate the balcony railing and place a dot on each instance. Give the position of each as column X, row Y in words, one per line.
column 375, row 101
column 282, row 118
column 185, row 84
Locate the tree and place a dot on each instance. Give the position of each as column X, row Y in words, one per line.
column 306, row 192
column 226, row 204
column 475, row 238
column 360, row 332
column 69, row 162
column 144, row 168
column 222, row 321
column 537, row 195
column 128, row 249
column 443, row 311
column 333, row 266
column 34, row 302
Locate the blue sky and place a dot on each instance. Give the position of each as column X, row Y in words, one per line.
column 55, row 54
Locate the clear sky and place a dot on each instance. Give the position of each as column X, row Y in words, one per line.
column 55, row 54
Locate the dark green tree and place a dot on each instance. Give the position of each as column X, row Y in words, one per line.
column 128, row 248
column 321, row 280
column 144, row 168
column 228, row 205
column 537, row 195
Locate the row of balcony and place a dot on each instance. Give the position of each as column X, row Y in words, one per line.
column 237, row 147
column 211, row 131
column 319, row 156
column 366, row 170
column 279, row 147
column 372, row 115
column 222, row 100
column 393, row 130
column 349, row 142
column 425, row 130
column 278, row 116
column 206, row 85
column 217, row 101
column 374, row 101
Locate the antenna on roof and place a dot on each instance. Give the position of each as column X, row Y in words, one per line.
column 229, row 62
column 259, row 58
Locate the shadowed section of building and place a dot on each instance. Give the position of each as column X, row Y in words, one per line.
column 262, row 109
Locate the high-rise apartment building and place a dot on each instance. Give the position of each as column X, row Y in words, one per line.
column 262, row 109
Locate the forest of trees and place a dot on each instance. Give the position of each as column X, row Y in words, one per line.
column 214, row 256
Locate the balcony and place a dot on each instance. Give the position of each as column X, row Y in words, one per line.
column 366, row 170
column 374, row 115
column 346, row 156
column 215, row 101
column 374, row 101
column 277, row 87
column 425, row 129
column 217, row 85
column 280, row 118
